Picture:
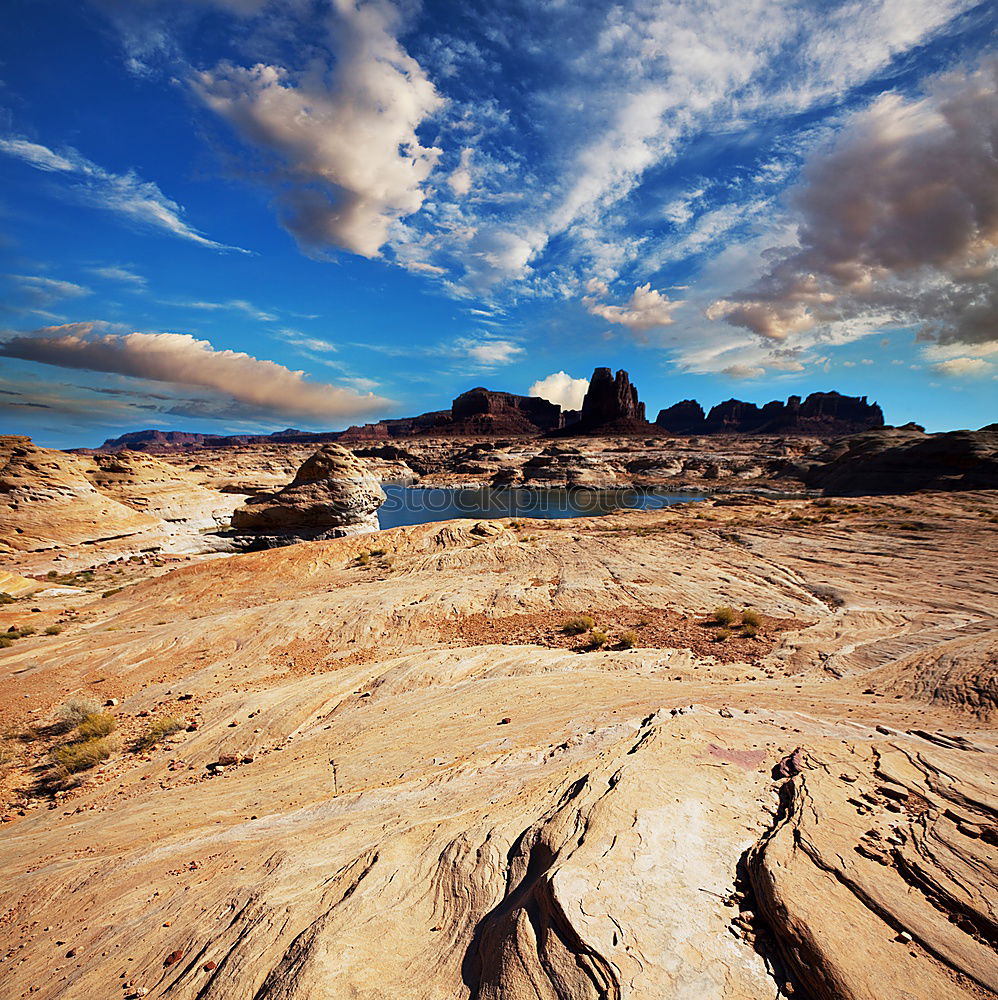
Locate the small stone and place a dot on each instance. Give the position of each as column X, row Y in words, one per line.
column 208, row 966
column 904, row 936
column 111, row 703
column 504, row 722
column 725, row 713
column 228, row 759
column 173, row 958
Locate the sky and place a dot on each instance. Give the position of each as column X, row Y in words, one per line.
column 238, row 216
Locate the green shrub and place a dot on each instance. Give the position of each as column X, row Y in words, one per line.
column 725, row 615
column 751, row 617
column 6, row 642
column 53, row 630
column 111, row 593
column 157, row 730
column 596, row 639
column 628, row 640
column 27, row 630
column 97, row 725
column 721, row 635
column 578, row 625
column 77, row 710
column 75, row 757
column 363, row 558
column 749, row 631
column 5, row 598
column 52, row 574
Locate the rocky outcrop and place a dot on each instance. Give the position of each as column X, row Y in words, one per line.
column 902, row 460
column 481, row 411
column 332, row 495
column 610, row 407
column 562, row 465
column 822, row 414
column 686, row 417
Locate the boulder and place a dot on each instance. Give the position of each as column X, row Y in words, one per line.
column 331, row 495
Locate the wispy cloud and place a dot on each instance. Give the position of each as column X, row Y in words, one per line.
column 126, row 195
column 123, row 275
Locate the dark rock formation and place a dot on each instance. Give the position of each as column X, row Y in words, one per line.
column 481, row 411
column 822, row 414
column 332, row 495
column 733, row 417
column 611, row 406
column 893, row 460
column 686, row 417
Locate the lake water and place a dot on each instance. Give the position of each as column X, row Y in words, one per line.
column 420, row 505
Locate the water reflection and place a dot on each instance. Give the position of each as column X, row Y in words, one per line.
column 419, row 505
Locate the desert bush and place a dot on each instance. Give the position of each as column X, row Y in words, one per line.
column 97, row 725
column 53, row 630
column 377, row 552
column 52, row 574
column 725, row 615
column 750, row 631
column 6, row 642
column 722, row 635
column 157, row 730
column 363, row 558
column 27, row 630
column 5, row 598
column 76, row 710
column 75, row 757
column 628, row 640
column 596, row 639
column 112, row 592
column 751, row 617
column 578, row 625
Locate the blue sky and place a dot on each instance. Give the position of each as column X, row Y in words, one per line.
column 242, row 215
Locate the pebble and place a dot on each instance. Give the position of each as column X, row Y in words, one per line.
column 173, row 958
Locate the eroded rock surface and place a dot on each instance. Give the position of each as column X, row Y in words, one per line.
column 366, row 799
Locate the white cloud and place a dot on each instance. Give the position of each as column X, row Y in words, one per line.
column 120, row 274
column 237, row 305
column 964, row 367
column 126, row 195
column 645, row 310
column 36, row 292
column 460, row 179
column 562, row 389
column 341, row 143
column 181, row 359
column 487, row 352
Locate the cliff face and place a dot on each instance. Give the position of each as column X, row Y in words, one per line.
column 824, row 414
column 481, row 411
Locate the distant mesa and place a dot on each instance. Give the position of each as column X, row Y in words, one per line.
column 611, row 407
column 822, row 414
column 331, row 495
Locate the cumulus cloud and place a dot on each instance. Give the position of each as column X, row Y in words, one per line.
column 127, row 195
column 263, row 386
column 562, row 389
column 341, row 144
column 646, row 309
column 897, row 217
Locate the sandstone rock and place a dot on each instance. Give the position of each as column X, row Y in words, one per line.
column 686, row 417
column 332, row 495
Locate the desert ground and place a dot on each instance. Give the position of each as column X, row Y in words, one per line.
column 514, row 759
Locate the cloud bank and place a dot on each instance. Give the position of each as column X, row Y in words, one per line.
column 645, row 310
column 343, row 155
column 263, row 386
